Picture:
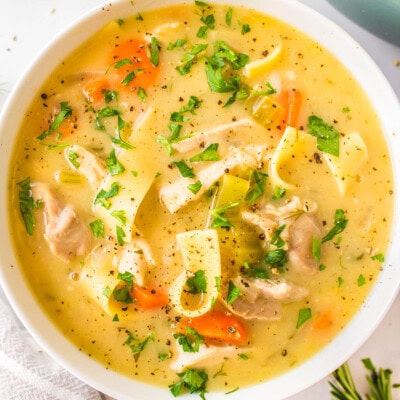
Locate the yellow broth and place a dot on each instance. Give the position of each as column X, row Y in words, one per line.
column 328, row 90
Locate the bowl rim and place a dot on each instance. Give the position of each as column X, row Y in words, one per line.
column 309, row 372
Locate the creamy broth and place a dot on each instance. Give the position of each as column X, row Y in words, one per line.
column 138, row 133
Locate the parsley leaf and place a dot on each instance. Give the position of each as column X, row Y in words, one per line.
column 123, row 294
column 258, row 181
column 190, row 341
column 102, row 196
column 276, row 239
column 304, row 315
column 233, row 293
column 190, row 58
column 195, row 187
column 120, row 235
column 220, row 218
column 178, row 43
column 210, row 153
column 276, row 258
column 209, row 23
column 194, row 380
column 327, row 136
column 120, row 216
column 197, row 283
column 127, row 277
column 228, row 16
column 64, row 113
column 154, row 48
column 278, row 193
column 113, row 165
column 27, row 205
column 97, row 228
column 339, row 226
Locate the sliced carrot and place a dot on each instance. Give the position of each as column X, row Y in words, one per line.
column 217, row 326
column 291, row 101
column 94, row 90
column 149, row 298
column 323, row 321
column 133, row 65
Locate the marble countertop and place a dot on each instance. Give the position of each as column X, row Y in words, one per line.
column 27, row 25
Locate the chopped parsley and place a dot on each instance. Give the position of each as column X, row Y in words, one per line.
column 184, row 169
column 195, row 187
column 178, row 43
column 194, row 380
column 209, row 23
column 278, row 192
column 190, row 58
column 276, row 239
column 72, row 158
column 257, row 186
column 340, row 224
column 276, row 258
column 361, row 280
column 120, row 216
column 378, row 257
column 190, row 341
column 197, row 283
column 27, row 204
column 233, row 293
column 113, row 165
column 210, row 153
column 128, row 78
column 136, row 345
column 60, row 117
column 107, row 112
column 304, row 315
column 103, row 197
column 154, row 49
column 121, row 63
column 122, row 294
column 142, row 95
column 245, row 29
column 127, row 277
column 228, row 16
column 327, row 136
column 220, row 218
column 120, row 235
column 110, row 95
column 193, row 104
column 97, row 228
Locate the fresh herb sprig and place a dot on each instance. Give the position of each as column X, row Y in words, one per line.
column 344, row 388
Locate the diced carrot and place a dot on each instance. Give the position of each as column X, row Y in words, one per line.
column 291, row 101
column 94, row 89
column 323, row 321
column 217, row 326
column 149, row 298
column 133, row 65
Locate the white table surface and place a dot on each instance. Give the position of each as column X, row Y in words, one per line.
column 27, row 25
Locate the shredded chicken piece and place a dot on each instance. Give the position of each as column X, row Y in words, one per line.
column 87, row 164
column 262, row 298
column 207, row 354
column 269, row 217
column 301, row 226
column 67, row 236
column 224, row 133
column 301, row 234
column 136, row 258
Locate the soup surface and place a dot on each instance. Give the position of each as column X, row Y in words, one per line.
column 203, row 195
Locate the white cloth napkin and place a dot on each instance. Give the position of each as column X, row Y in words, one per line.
column 28, row 373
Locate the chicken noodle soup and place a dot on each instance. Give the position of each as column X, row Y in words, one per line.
column 203, row 195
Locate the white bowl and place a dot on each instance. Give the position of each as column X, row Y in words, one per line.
column 319, row 366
